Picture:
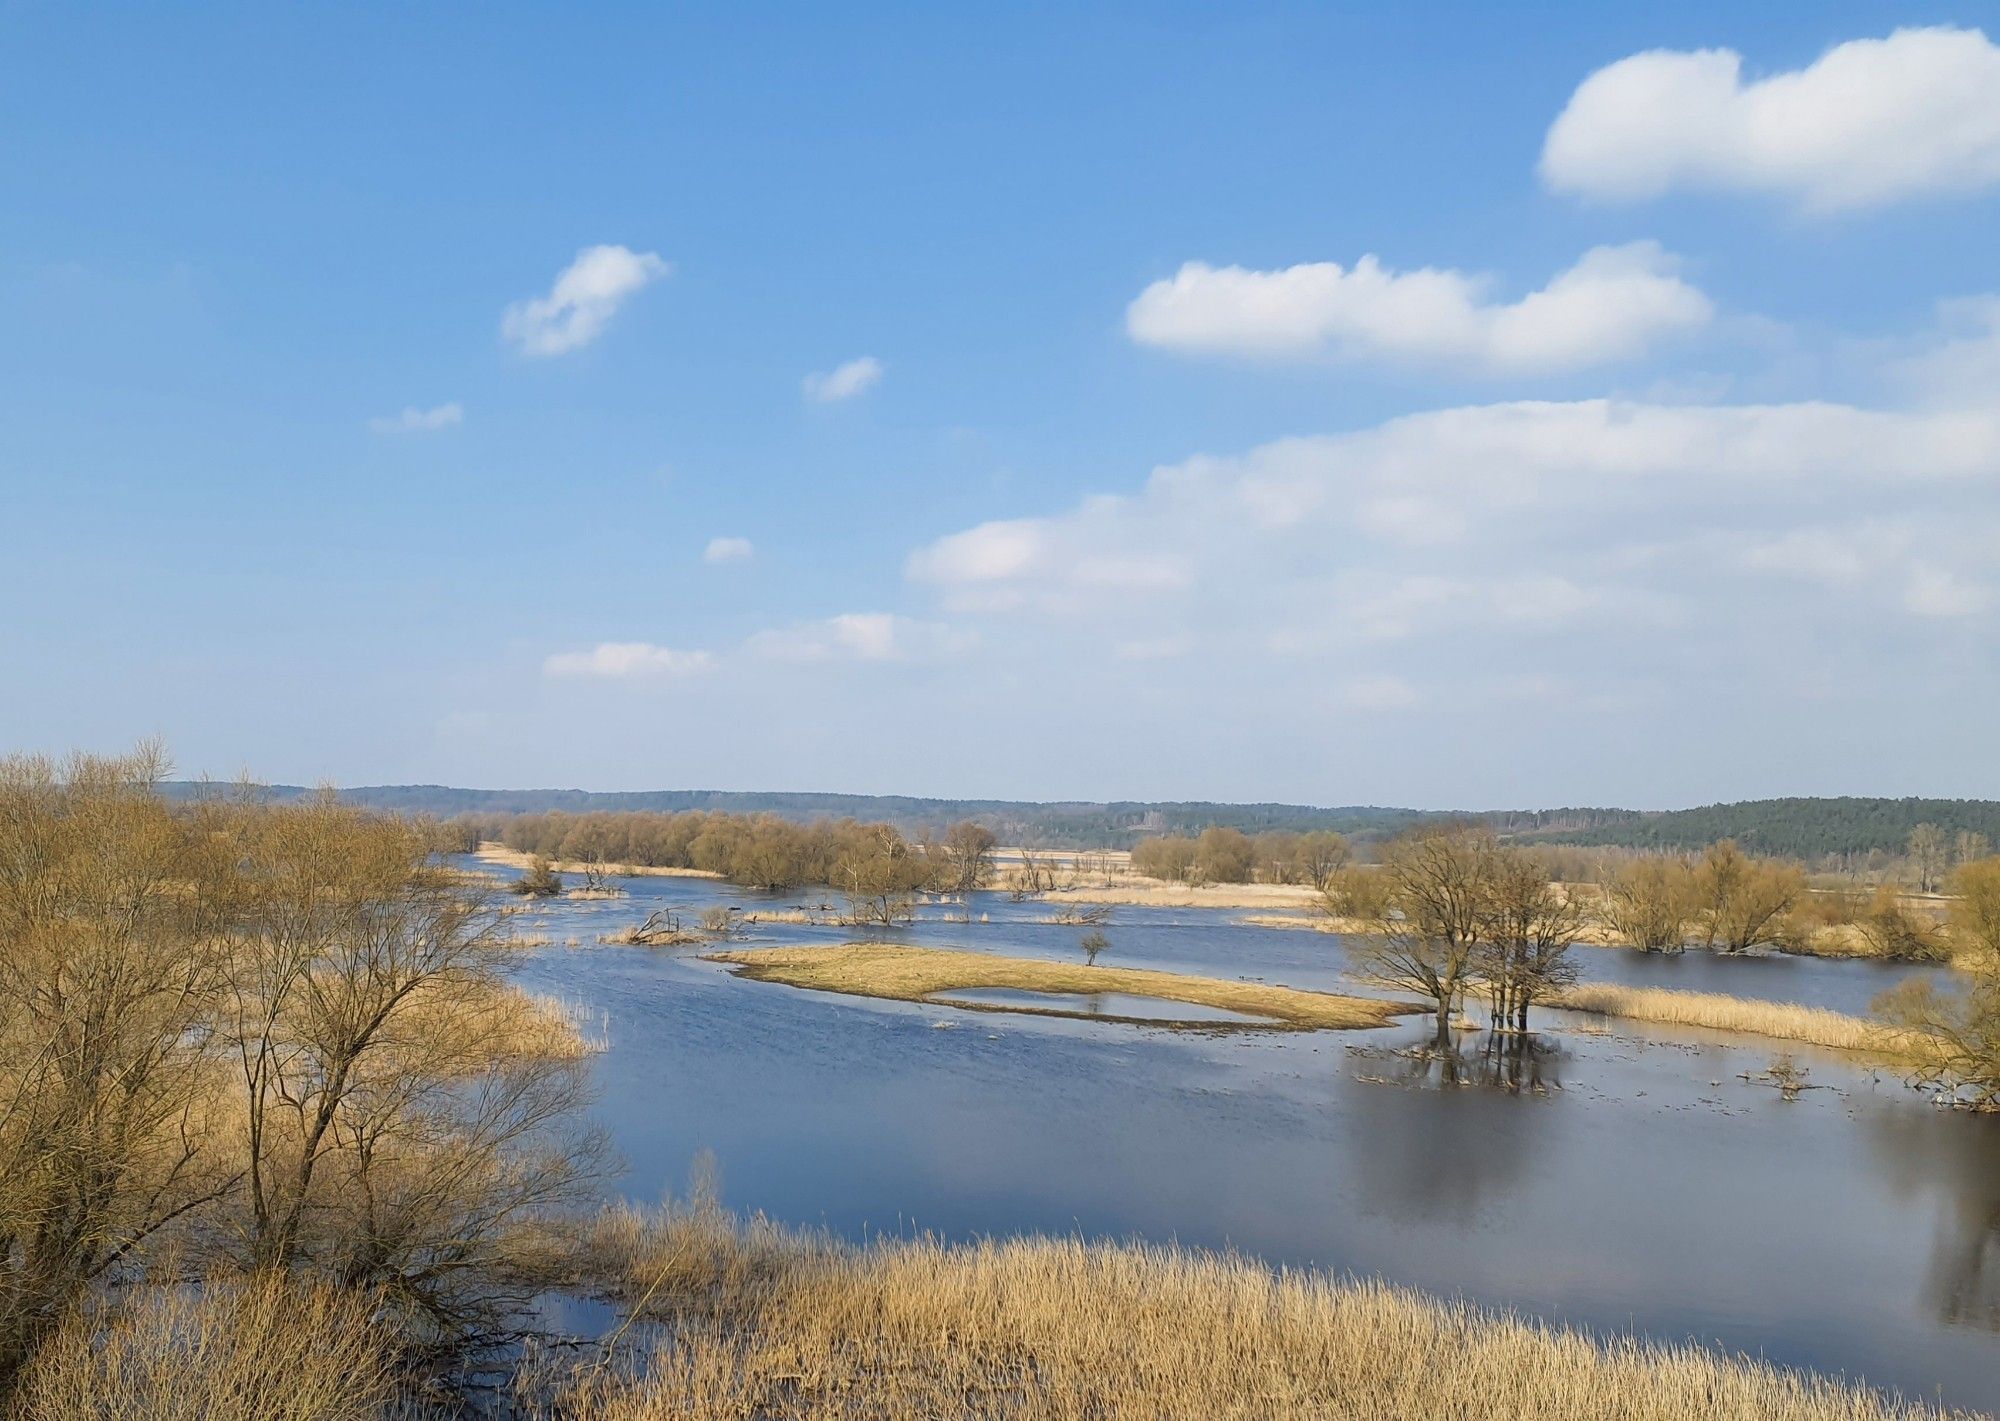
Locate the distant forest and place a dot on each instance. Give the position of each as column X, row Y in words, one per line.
column 1798, row 828
column 1795, row 828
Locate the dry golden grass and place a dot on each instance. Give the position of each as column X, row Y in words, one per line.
column 914, row 974
column 1152, row 893
column 766, row 1327
column 1719, row 1012
column 269, row 1348
column 490, row 852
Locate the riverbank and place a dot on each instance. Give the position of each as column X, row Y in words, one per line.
column 918, row 974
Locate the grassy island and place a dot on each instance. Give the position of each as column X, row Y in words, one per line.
column 916, row 974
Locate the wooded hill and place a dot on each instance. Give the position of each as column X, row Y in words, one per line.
column 1797, row 827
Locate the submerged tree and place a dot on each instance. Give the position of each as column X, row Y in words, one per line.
column 1424, row 930
column 1742, row 901
column 881, row 877
column 966, row 857
column 1527, row 926
column 1092, row 944
column 538, row 880
column 1648, row 903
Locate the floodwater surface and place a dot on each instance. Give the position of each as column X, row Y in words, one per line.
column 1620, row 1175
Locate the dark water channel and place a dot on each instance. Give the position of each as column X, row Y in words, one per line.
column 1623, row 1178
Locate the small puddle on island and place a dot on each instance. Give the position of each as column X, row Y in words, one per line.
column 1162, row 1011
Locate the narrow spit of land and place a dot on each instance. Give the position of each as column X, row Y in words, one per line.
column 1717, row 1011
column 917, row 974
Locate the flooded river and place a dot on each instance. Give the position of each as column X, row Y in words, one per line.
column 1624, row 1177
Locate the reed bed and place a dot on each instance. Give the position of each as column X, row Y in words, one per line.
column 1720, row 1012
column 273, row 1348
column 916, row 974
column 779, row 1328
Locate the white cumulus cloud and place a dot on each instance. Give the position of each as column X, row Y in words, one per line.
column 620, row 659
column 1615, row 303
column 416, row 421
column 1869, row 122
column 844, row 381
column 721, row 550
column 583, row 300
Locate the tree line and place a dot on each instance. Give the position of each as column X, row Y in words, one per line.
column 1224, row 855
column 880, row 871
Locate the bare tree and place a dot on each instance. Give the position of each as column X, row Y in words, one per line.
column 1424, row 935
column 111, row 917
column 1648, row 903
column 1319, row 855
column 397, row 1095
column 967, row 857
column 1526, row 930
column 1742, row 901
column 882, row 878
column 1930, row 856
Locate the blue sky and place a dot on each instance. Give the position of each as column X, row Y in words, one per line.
column 1548, row 413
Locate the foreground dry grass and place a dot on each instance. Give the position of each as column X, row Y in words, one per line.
column 269, row 1348
column 915, row 974
column 777, row 1328
column 761, row 1324
column 1782, row 1020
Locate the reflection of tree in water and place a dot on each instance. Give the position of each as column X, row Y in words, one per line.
column 1958, row 1159
column 1436, row 1151
column 1509, row 1061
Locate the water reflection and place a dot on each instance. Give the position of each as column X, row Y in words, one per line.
column 1954, row 1160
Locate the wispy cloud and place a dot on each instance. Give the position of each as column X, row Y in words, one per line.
column 626, row 659
column 721, row 550
column 844, row 381
column 583, row 300
column 860, row 636
column 415, row 421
